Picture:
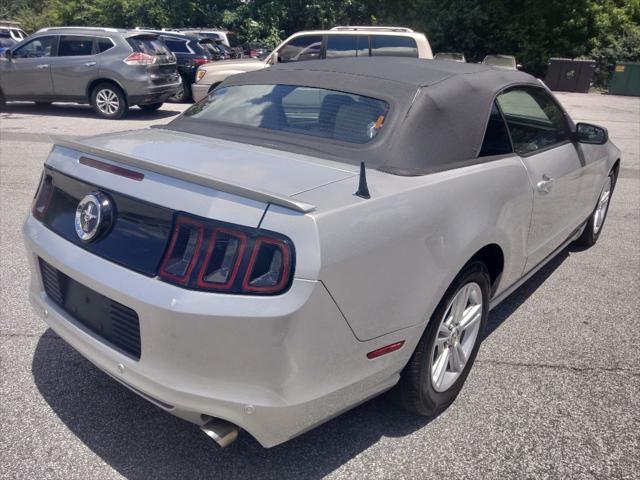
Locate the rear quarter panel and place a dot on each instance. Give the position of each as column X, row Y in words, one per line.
column 388, row 261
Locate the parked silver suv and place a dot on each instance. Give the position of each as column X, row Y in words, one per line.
column 109, row 68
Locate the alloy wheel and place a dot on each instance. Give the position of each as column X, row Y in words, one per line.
column 456, row 337
column 107, row 101
column 602, row 207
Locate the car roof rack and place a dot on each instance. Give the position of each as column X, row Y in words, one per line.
column 161, row 32
column 374, row 28
column 98, row 29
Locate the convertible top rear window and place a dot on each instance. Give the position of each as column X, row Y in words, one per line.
column 309, row 111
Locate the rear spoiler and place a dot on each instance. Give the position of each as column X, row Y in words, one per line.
column 181, row 174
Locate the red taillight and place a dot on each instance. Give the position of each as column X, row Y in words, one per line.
column 222, row 261
column 269, row 260
column 43, row 197
column 200, row 61
column 139, row 58
column 183, row 250
column 205, row 255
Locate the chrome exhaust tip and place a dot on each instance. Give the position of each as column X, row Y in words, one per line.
column 222, row 432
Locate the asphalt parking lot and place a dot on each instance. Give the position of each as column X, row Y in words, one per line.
column 555, row 392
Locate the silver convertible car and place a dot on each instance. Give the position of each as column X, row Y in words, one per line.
column 311, row 235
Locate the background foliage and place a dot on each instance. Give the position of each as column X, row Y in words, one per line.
column 532, row 30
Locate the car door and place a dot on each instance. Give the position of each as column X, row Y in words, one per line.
column 28, row 73
column 75, row 66
column 541, row 136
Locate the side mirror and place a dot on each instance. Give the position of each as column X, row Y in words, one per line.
column 591, row 134
column 8, row 54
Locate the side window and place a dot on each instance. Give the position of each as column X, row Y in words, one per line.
column 72, row 45
column 393, row 46
column 38, row 47
column 534, row 120
column 496, row 137
column 347, row 46
column 104, row 44
column 177, row 46
column 306, row 47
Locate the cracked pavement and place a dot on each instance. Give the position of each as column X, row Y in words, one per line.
column 554, row 392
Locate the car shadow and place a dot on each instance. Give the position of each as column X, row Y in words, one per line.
column 80, row 111
column 510, row 304
column 141, row 441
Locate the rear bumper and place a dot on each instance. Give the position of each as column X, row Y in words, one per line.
column 291, row 357
column 154, row 94
column 199, row 91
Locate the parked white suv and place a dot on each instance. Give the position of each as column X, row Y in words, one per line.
column 320, row 44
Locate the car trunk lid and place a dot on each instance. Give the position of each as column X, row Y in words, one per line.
column 164, row 69
column 258, row 173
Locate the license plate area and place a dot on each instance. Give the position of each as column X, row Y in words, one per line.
column 113, row 323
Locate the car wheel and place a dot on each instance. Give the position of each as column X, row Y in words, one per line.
column 183, row 95
column 3, row 102
column 43, row 104
column 150, row 107
column 108, row 101
column 443, row 358
column 595, row 223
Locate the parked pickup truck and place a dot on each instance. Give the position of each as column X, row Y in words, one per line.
column 320, row 44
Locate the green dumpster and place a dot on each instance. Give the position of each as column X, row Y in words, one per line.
column 626, row 79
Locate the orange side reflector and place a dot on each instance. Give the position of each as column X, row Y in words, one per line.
column 379, row 122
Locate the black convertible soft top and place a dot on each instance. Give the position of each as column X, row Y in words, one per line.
column 437, row 117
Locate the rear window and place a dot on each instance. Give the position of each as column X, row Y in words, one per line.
column 210, row 47
column 148, row 45
column 177, row 46
column 309, row 111
column 393, row 46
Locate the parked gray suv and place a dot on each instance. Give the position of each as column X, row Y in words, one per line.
column 109, row 68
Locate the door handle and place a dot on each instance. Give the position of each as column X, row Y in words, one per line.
column 43, row 65
column 544, row 185
column 89, row 64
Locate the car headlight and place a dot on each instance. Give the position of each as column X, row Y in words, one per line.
column 200, row 74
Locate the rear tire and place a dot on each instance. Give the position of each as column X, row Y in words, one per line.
column 596, row 221
column 150, row 107
column 43, row 104
column 109, row 101
column 433, row 378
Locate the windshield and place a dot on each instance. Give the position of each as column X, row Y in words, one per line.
column 301, row 110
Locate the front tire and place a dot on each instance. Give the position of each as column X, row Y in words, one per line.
column 443, row 358
column 43, row 104
column 108, row 101
column 595, row 223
